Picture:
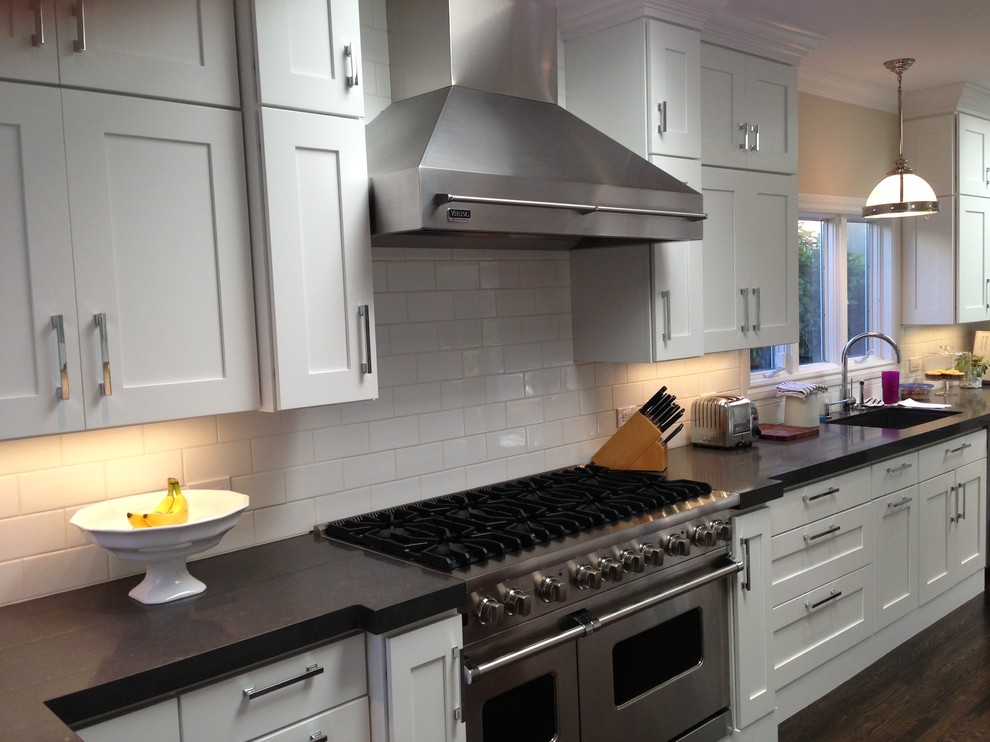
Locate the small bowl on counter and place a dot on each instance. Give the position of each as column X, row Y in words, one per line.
column 919, row 391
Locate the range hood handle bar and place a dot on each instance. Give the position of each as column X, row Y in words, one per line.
column 446, row 198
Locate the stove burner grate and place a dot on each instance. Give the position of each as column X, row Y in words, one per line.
column 467, row 527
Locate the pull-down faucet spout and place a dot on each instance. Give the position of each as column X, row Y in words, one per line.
column 846, row 396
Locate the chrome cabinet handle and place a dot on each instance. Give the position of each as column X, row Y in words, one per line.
column 897, row 469
column 662, row 110
column 747, row 584
column 756, row 325
column 745, row 325
column 38, row 37
column 959, row 448
column 667, row 334
column 826, row 493
column 833, row 594
column 744, row 144
column 827, row 532
column 902, row 501
column 955, row 493
column 986, row 293
column 755, row 128
column 961, row 488
column 309, row 672
column 986, row 177
column 365, row 312
column 318, row 737
column 106, row 388
column 79, row 11
column 352, row 73
column 62, row 390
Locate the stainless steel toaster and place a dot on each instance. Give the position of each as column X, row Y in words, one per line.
column 723, row 421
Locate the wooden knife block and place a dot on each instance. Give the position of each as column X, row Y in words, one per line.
column 635, row 446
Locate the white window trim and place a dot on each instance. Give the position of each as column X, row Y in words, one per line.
column 886, row 302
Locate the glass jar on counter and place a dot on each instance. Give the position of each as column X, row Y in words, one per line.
column 920, row 391
column 941, row 369
column 973, row 368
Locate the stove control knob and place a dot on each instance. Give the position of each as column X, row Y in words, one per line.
column 723, row 530
column 678, row 545
column 587, row 577
column 652, row 554
column 611, row 569
column 553, row 590
column 489, row 612
column 633, row 561
column 703, row 536
column 518, row 603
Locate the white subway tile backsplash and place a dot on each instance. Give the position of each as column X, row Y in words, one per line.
column 503, row 443
column 62, row 570
column 9, row 499
column 577, row 429
column 282, row 521
column 502, row 330
column 417, row 460
column 393, row 494
column 525, row 465
column 577, row 377
column 100, row 445
column 29, row 454
column 543, row 381
column 458, row 275
column 11, row 582
column 484, row 418
column 241, row 426
column 439, row 426
column 539, row 328
column 560, row 406
column 523, row 357
column 28, row 535
column 341, row 442
column 544, row 435
column 484, row 361
column 462, row 392
column 343, row 504
column 411, row 276
column 474, row 304
column 515, row 302
column 439, row 366
column 522, row 412
column 372, row 409
column 417, row 399
column 431, row 306
column 282, row 451
column 314, row 480
column 371, row 468
column 142, row 473
column 263, row 490
column 504, row 387
column 413, row 337
column 558, row 352
column 460, row 452
column 478, row 475
column 391, row 309
column 397, row 370
column 538, row 273
column 499, row 274
column 204, row 463
column 395, row 433
column 465, row 333
column 51, row 489
column 168, row 436
column 310, row 418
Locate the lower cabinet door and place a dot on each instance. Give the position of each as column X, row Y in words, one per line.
column 895, row 559
column 815, row 627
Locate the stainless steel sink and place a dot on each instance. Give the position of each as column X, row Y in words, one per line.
column 892, row 417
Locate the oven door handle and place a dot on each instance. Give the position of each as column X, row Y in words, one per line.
column 588, row 624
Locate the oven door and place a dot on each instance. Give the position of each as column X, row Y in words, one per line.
column 659, row 673
column 532, row 700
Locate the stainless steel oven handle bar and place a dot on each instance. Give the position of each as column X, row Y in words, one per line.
column 446, row 198
column 588, row 624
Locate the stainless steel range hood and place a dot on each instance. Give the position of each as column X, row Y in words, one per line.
column 475, row 152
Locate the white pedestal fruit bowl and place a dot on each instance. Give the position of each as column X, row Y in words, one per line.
column 163, row 549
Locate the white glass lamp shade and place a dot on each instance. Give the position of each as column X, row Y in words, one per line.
column 901, row 194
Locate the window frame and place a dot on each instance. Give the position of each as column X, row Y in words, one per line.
column 837, row 211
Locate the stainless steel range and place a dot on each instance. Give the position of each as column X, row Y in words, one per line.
column 597, row 609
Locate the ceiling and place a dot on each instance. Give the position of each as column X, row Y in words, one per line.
column 950, row 41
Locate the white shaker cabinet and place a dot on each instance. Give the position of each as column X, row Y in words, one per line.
column 753, row 691
column 40, row 376
column 319, row 265
column 152, row 280
column 895, row 556
column 640, row 303
column 308, row 178
column 748, row 111
column 179, row 51
column 161, row 250
column 309, row 55
column 639, row 82
column 415, row 678
column 750, row 259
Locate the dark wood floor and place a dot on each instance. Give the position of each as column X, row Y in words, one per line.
column 935, row 686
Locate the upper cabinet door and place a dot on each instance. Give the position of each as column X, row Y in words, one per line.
column 319, row 257
column 309, row 55
column 40, row 389
column 675, row 90
column 178, row 50
column 748, row 111
column 974, row 156
column 28, row 50
column 162, row 253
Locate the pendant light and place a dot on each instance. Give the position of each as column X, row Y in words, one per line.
column 901, row 193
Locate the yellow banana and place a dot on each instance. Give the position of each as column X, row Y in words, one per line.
column 172, row 510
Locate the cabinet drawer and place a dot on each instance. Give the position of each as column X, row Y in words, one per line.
column 952, row 454
column 814, row 501
column 347, row 723
column 817, row 626
column 895, row 474
column 224, row 711
column 805, row 558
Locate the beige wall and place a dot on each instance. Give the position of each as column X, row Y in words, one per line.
column 843, row 149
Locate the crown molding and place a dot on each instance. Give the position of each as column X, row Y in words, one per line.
column 761, row 36
column 819, row 82
column 577, row 18
column 964, row 97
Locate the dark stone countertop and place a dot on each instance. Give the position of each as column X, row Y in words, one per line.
column 94, row 650
column 88, row 652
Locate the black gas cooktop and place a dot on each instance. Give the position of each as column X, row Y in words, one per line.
column 475, row 525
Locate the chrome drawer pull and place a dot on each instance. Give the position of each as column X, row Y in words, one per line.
column 309, row 672
column 79, row 11
column 744, row 144
column 902, row 501
column 318, row 737
column 897, row 469
column 826, row 493
column 662, row 110
column 106, row 388
column 38, row 37
column 364, row 311
column 352, row 74
column 744, row 293
column 667, row 334
column 833, row 594
column 960, row 448
column 828, row 532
